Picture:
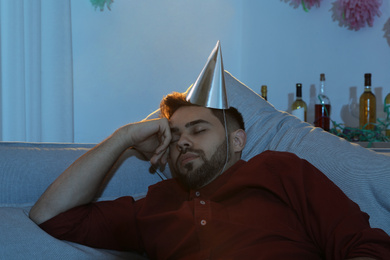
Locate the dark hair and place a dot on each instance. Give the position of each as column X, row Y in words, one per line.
column 176, row 100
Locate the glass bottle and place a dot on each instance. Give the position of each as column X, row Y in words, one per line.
column 264, row 91
column 367, row 105
column 387, row 112
column 299, row 108
column 322, row 107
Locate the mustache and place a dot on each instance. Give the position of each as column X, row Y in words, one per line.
column 183, row 151
column 190, row 150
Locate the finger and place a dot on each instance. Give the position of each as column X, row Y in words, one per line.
column 161, row 158
column 164, row 157
column 154, row 160
column 165, row 140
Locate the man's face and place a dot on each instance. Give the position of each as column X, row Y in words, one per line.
column 198, row 147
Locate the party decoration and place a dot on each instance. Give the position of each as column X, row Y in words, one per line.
column 306, row 4
column 209, row 89
column 101, row 3
column 353, row 134
column 362, row 135
column 357, row 13
column 386, row 29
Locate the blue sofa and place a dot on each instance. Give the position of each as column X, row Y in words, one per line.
column 27, row 169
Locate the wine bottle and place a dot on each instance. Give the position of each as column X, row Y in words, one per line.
column 387, row 111
column 322, row 107
column 367, row 106
column 299, row 108
column 264, row 91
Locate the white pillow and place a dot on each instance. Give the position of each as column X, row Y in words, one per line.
column 362, row 174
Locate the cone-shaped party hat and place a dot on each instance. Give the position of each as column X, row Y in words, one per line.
column 209, row 89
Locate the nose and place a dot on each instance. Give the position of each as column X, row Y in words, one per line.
column 184, row 143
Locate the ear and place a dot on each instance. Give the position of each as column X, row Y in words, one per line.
column 238, row 140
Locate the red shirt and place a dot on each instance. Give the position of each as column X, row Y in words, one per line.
column 275, row 206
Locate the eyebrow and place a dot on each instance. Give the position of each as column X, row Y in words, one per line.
column 190, row 124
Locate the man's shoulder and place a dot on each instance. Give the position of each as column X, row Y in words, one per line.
column 275, row 155
column 276, row 163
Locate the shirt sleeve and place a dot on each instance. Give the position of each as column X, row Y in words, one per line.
column 104, row 224
column 333, row 221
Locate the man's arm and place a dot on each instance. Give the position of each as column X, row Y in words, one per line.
column 79, row 183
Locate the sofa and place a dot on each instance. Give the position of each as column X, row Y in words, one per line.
column 27, row 169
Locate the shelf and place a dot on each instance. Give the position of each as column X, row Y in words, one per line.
column 379, row 147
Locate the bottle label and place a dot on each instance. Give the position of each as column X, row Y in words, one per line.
column 300, row 113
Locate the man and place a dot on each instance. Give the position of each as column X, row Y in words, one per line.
column 275, row 206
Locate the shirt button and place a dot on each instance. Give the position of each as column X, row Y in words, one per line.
column 203, row 222
column 202, row 202
column 197, row 194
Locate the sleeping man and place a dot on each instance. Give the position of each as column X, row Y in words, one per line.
column 275, row 206
column 216, row 206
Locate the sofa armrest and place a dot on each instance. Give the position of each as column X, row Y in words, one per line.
column 27, row 169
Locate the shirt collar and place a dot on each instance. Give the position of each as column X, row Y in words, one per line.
column 208, row 190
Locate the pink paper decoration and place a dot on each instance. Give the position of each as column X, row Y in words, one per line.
column 386, row 29
column 356, row 13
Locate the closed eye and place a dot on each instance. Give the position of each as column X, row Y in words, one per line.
column 199, row 131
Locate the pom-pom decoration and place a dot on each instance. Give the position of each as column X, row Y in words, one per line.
column 101, row 3
column 306, row 4
column 386, row 29
column 357, row 13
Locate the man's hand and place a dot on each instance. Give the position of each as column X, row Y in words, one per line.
column 152, row 138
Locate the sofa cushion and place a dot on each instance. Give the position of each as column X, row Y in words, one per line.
column 22, row 239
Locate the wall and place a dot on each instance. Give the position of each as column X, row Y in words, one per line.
column 283, row 46
column 127, row 59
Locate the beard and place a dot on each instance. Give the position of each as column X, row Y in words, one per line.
column 196, row 178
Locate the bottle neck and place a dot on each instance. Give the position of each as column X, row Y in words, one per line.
column 299, row 92
column 367, row 88
column 322, row 98
column 367, row 82
column 264, row 91
column 322, row 87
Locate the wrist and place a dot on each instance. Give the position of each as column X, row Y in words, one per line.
column 122, row 137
